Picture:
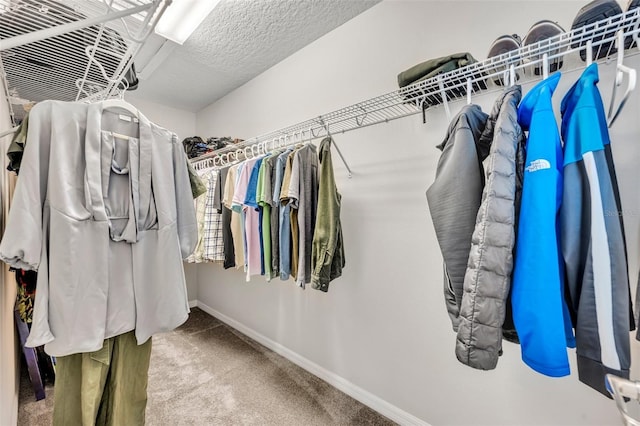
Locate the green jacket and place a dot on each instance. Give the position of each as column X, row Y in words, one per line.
column 433, row 67
column 327, row 258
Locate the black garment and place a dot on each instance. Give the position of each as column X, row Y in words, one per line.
column 275, row 221
column 227, row 237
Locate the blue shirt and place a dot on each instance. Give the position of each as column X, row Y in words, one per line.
column 284, row 234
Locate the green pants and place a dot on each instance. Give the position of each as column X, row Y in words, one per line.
column 106, row 387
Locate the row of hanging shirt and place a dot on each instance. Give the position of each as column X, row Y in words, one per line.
column 268, row 214
column 543, row 235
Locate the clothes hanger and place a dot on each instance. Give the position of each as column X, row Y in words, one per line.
column 246, row 153
column 545, row 66
column 443, row 95
column 469, row 90
column 621, row 71
column 121, row 103
column 589, row 60
column 255, row 150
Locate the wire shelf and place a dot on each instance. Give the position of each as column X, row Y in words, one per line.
column 71, row 50
column 598, row 38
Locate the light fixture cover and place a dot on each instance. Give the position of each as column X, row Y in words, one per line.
column 182, row 17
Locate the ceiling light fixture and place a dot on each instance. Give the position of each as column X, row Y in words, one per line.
column 182, row 17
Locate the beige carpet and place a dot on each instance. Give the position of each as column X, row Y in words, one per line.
column 206, row 373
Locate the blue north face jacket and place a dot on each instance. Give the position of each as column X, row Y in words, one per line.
column 592, row 237
column 539, row 311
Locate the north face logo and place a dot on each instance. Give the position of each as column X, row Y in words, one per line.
column 536, row 165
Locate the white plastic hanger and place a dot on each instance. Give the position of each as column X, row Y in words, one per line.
column 545, row 66
column 469, row 90
column 620, row 389
column 121, row 103
column 445, row 101
column 589, row 52
column 621, row 71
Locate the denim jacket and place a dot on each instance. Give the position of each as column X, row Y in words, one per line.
column 327, row 259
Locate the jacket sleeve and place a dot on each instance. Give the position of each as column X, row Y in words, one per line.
column 185, row 211
column 22, row 242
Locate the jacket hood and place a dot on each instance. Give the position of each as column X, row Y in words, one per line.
column 510, row 94
column 471, row 116
column 538, row 98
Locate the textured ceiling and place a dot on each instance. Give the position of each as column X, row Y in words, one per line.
column 237, row 41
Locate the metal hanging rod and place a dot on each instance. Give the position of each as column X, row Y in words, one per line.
column 480, row 76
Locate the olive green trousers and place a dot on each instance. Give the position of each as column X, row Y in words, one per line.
column 107, row 387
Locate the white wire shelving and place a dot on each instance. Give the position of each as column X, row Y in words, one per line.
column 71, row 50
column 596, row 40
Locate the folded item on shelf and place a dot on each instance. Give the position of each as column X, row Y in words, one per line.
column 433, row 67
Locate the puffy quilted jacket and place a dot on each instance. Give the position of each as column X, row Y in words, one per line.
column 488, row 274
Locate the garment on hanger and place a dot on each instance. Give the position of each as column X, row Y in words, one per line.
column 245, row 200
column 274, row 205
column 200, row 204
column 213, row 244
column 88, row 215
column 540, row 312
column 284, row 231
column 234, row 221
column 327, row 259
column 263, row 198
column 488, row 276
column 228, row 251
column 303, row 197
column 292, row 262
column 592, row 239
column 454, row 199
column 16, row 148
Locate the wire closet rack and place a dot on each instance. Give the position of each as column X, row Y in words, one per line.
column 71, row 50
column 594, row 41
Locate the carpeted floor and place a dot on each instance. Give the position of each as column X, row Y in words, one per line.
column 206, row 373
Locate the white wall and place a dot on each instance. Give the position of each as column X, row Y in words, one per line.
column 9, row 361
column 383, row 326
column 183, row 123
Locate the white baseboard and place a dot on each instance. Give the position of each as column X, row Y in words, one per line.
column 381, row 406
column 193, row 304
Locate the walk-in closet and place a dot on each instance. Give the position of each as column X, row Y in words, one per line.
column 319, row 212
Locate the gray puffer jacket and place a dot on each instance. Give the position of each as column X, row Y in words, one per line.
column 488, row 275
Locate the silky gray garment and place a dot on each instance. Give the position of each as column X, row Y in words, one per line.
column 107, row 230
